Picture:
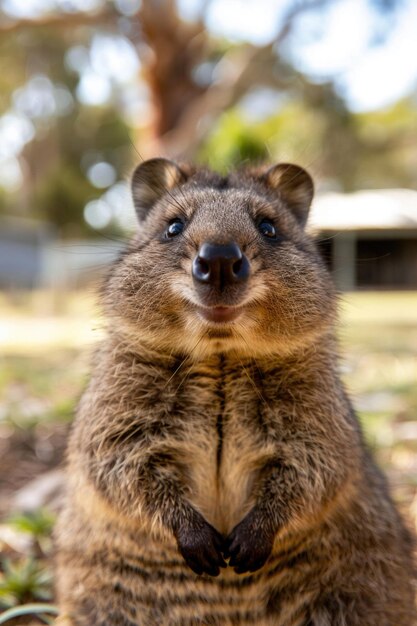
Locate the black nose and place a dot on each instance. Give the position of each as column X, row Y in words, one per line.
column 220, row 265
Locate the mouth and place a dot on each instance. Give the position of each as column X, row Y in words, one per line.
column 220, row 314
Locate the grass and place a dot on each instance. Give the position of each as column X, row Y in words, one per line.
column 40, row 388
column 26, row 574
column 45, row 366
column 379, row 341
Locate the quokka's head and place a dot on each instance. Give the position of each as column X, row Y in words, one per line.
column 221, row 263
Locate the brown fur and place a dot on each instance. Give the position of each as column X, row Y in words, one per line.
column 192, row 433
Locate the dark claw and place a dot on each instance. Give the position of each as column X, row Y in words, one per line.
column 249, row 545
column 194, row 566
column 200, row 544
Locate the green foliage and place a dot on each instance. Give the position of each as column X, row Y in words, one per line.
column 56, row 160
column 63, row 190
column 23, row 580
column 343, row 150
column 293, row 133
column 61, row 198
column 232, row 143
column 37, row 523
column 390, row 137
column 27, row 577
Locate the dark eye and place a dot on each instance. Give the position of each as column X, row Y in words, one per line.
column 175, row 228
column 267, row 229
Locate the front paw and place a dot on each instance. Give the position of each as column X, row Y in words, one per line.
column 249, row 545
column 201, row 546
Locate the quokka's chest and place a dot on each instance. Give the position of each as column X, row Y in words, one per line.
column 221, row 440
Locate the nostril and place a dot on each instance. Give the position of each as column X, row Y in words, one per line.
column 237, row 266
column 201, row 270
column 241, row 269
column 203, row 266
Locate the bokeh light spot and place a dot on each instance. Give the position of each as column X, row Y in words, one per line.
column 97, row 214
column 101, row 175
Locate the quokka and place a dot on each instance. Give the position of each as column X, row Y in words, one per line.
column 217, row 473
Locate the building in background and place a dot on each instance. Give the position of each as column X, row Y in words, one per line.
column 368, row 238
column 23, row 242
column 33, row 257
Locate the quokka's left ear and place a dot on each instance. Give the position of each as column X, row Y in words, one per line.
column 151, row 180
column 294, row 186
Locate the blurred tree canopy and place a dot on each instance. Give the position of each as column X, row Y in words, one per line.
column 87, row 88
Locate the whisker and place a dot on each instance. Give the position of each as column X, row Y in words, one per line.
column 175, row 371
column 259, row 394
column 113, row 238
column 182, row 381
column 136, row 150
column 176, row 202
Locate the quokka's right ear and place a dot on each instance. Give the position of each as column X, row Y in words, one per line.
column 294, row 186
column 151, row 180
